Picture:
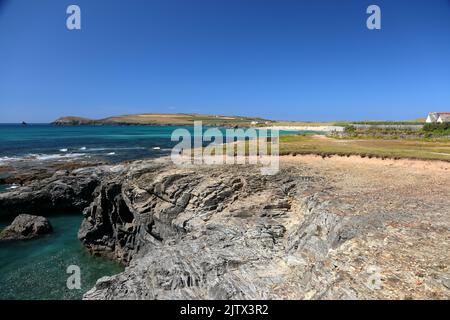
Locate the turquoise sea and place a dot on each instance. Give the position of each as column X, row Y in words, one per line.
column 36, row 269
column 41, row 142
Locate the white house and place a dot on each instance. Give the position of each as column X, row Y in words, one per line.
column 444, row 118
column 438, row 117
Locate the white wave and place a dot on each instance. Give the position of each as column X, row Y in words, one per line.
column 111, row 154
column 41, row 157
column 114, row 148
column 9, row 159
column 14, row 186
column 156, row 148
column 83, row 148
column 63, row 150
column 44, row 157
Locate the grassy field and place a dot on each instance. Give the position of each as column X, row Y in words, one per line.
column 313, row 144
column 370, row 148
column 163, row 119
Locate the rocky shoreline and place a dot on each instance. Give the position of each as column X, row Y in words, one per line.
column 227, row 232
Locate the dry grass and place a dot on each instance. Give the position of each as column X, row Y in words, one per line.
column 314, row 144
column 370, row 148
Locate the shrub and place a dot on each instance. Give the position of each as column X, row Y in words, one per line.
column 436, row 129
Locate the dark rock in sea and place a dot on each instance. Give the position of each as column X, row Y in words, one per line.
column 26, row 226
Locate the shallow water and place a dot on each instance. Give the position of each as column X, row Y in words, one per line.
column 36, row 269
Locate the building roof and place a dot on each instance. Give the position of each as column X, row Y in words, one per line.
column 440, row 113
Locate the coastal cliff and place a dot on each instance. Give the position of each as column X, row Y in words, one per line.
column 227, row 232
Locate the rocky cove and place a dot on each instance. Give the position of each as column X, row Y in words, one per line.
column 315, row 230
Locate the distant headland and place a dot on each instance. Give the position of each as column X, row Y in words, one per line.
column 164, row 119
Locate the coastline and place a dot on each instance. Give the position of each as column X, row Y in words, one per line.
column 183, row 208
column 143, row 213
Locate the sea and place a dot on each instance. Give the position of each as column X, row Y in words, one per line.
column 37, row 269
column 41, row 142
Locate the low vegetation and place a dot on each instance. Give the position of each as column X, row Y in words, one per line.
column 306, row 144
column 326, row 146
column 436, row 129
column 428, row 131
column 408, row 122
column 379, row 133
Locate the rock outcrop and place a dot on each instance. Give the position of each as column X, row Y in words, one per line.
column 26, row 226
column 230, row 233
column 227, row 232
column 64, row 190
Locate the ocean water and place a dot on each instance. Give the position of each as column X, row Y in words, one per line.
column 36, row 269
column 40, row 142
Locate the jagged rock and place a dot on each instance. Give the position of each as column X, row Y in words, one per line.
column 227, row 232
column 230, row 233
column 63, row 191
column 26, row 226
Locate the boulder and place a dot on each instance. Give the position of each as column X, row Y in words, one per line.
column 26, row 226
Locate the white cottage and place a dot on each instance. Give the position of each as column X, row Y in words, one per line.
column 438, row 117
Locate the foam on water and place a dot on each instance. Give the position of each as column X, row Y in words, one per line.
column 40, row 157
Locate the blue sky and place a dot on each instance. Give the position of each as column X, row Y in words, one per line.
column 292, row 60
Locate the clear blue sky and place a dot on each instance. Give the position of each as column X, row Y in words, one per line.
column 280, row 59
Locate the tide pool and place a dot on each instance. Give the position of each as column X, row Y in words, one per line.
column 36, row 269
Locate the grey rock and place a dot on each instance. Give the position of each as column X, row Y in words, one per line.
column 203, row 232
column 230, row 233
column 26, row 226
column 63, row 191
